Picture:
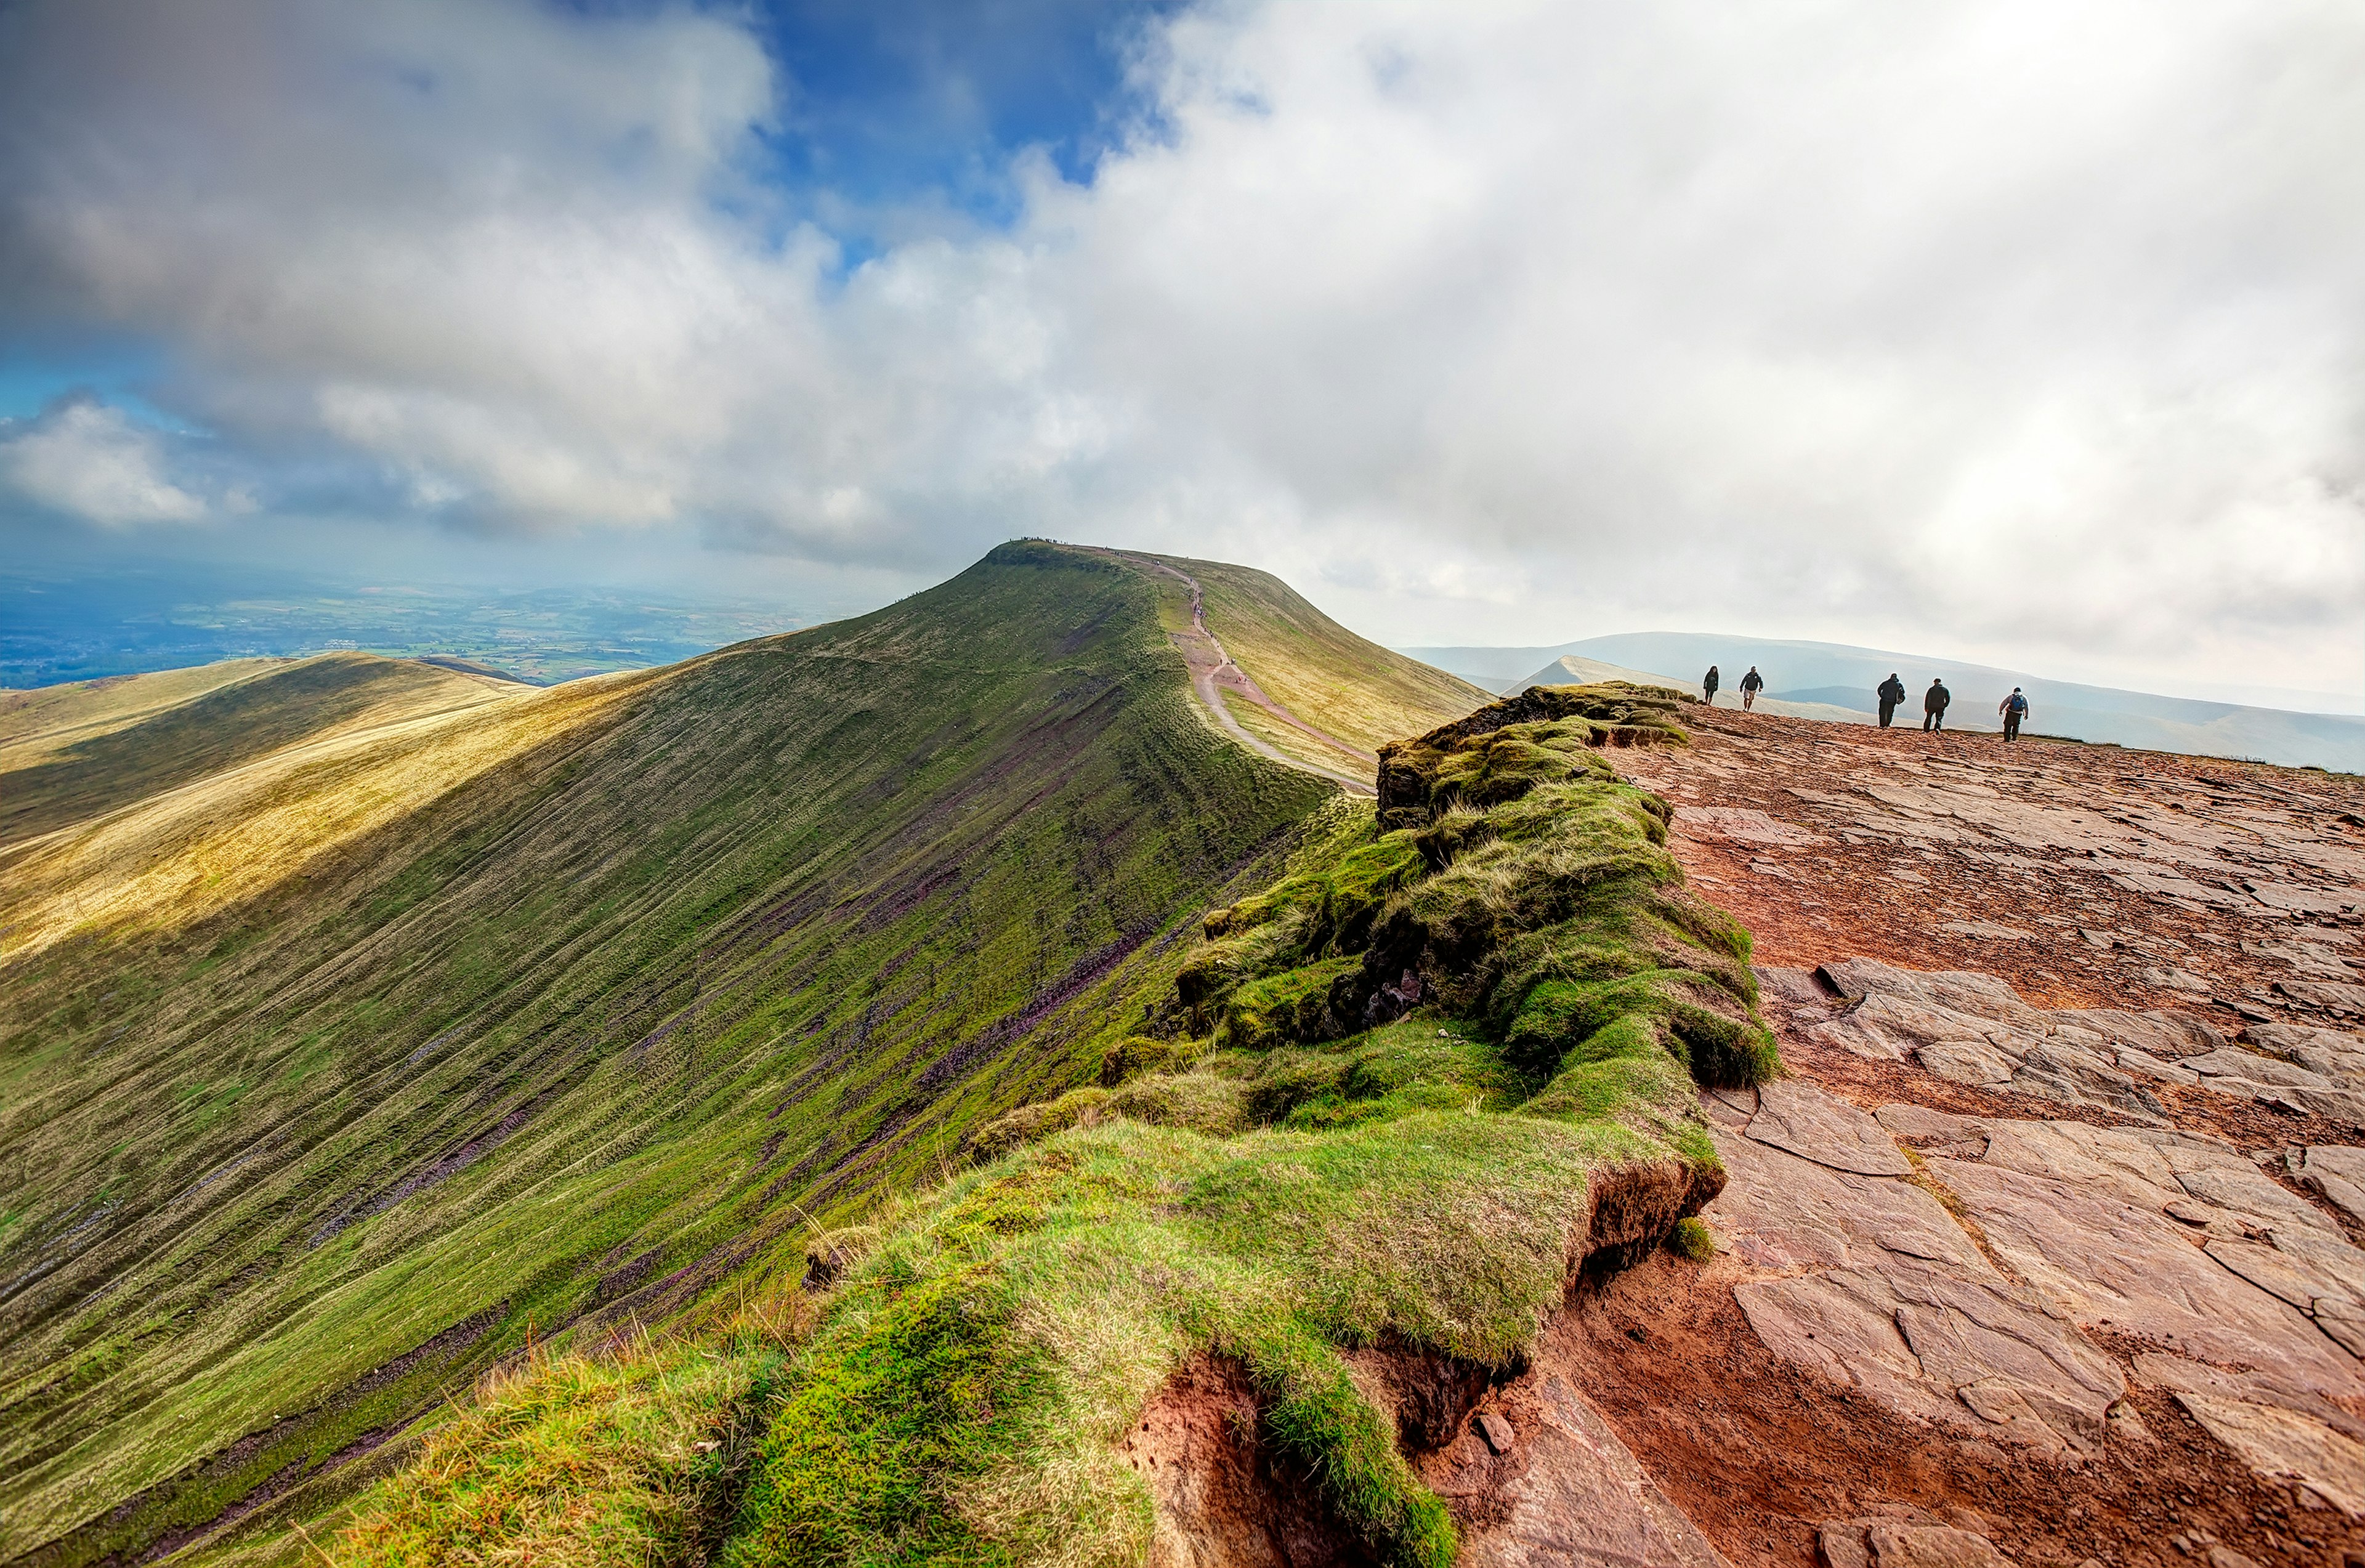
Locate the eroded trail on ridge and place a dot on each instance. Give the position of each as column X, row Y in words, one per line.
column 1214, row 673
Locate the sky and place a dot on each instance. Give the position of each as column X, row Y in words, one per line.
column 2025, row 331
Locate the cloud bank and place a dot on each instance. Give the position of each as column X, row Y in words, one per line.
column 83, row 460
column 2025, row 327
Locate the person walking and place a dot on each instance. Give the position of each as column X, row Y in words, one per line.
column 2013, row 708
column 1934, row 705
column 1751, row 685
column 1891, row 693
column 1708, row 686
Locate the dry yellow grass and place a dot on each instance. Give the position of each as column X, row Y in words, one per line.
column 174, row 859
column 39, row 722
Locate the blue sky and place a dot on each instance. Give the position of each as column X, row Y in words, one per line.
column 2025, row 331
column 880, row 107
column 896, row 102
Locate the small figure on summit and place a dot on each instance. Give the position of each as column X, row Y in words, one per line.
column 1751, row 685
column 1708, row 686
column 2013, row 708
column 1934, row 705
column 1891, row 693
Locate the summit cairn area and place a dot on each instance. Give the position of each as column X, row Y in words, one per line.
column 2049, row 1245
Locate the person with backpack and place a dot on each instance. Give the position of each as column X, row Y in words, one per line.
column 1708, row 686
column 1751, row 685
column 2013, row 708
column 1934, row 705
column 1892, row 694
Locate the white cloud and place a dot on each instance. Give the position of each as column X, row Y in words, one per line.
column 89, row 462
column 2015, row 328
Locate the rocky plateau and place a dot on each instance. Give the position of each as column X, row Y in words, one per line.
column 2047, row 1250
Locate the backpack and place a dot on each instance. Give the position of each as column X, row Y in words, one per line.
column 2016, row 703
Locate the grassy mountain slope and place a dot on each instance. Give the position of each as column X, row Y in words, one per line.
column 76, row 752
column 58, row 715
column 1325, row 1165
column 203, row 847
column 327, row 1080
column 1335, row 680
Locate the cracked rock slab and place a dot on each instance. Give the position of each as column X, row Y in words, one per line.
column 1883, row 1291
column 1780, row 1213
column 2114, row 1264
column 2287, row 1445
column 1795, row 1115
column 2335, row 1172
column 2337, row 1054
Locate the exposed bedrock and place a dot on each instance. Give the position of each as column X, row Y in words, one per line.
column 2013, row 1277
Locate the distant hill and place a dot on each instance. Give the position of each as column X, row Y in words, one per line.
column 366, row 1020
column 1833, row 675
column 1570, row 669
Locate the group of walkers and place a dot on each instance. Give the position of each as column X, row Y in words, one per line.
column 1891, row 692
column 1751, row 685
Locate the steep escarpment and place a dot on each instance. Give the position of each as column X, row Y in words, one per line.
column 337, row 1073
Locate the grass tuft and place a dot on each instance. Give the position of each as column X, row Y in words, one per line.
column 581, row 1460
column 1692, row 1239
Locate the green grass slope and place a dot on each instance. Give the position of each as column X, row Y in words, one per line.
column 1446, row 1058
column 559, row 1010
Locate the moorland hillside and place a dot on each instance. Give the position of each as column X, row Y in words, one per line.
column 364, row 1021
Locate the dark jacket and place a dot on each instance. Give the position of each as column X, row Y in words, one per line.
column 1934, row 700
column 1891, row 690
column 1752, row 681
column 1708, row 681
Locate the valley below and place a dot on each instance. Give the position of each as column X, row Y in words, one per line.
column 1097, row 1063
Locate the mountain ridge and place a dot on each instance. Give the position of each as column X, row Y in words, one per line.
column 650, row 954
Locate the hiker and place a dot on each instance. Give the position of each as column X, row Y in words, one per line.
column 1751, row 685
column 1708, row 686
column 2013, row 708
column 1891, row 693
column 1934, row 705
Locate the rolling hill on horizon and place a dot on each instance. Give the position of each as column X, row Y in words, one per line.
column 364, row 1021
column 1839, row 677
